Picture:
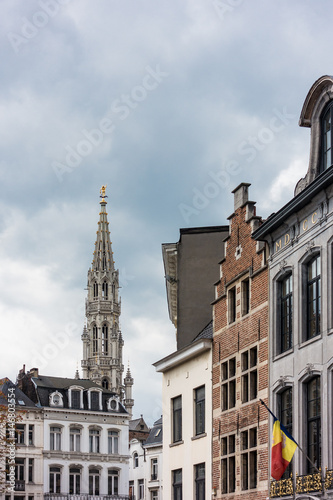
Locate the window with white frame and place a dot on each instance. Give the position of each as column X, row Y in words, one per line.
column 154, row 495
column 154, row 469
column 54, row 480
column 55, row 438
column 141, row 489
column 31, row 470
column 113, row 480
column 113, row 441
column 74, row 481
column 285, row 340
column 135, row 460
column 75, row 439
column 94, row 480
column 94, row 440
column 20, row 434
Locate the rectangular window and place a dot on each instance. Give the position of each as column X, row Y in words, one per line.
column 200, row 488
column 228, row 463
column 141, row 488
column 131, row 490
column 232, row 304
column 74, row 481
column 313, row 297
column 74, row 439
column 176, row 419
column 75, row 395
column 249, row 360
column 286, row 313
column 93, row 441
column 20, row 433
column 248, row 442
column 93, row 482
column 94, row 400
column 177, row 484
column 154, row 495
column 54, row 486
column 113, row 438
column 245, row 297
column 31, row 435
column 199, row 402
column 228, row 387
column 113, row 480
column 31, row 470
column 55, row 438
column 154, row 469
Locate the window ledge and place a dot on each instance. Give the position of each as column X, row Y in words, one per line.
column 176, row 444
column 199, row 436
column 310, row 341
column 283, row 354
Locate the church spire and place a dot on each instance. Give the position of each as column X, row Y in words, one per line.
column 103, row 255
column 102, row 339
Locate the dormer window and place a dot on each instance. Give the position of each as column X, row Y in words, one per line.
column 327, row 137
column 75, row 397
column 113, row 404
column 56, row 399
column 95, row 399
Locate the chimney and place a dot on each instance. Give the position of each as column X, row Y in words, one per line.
column 241, row 195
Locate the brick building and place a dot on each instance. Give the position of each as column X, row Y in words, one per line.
column 240, row 360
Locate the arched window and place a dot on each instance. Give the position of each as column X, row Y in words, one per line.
column 95, row 288
column 105, row 290
column 105, row 340
column 113, row 476
column 313, row 422
column 313, row 297
column 327, row 120
column 113, row 441
column 285, row 340
column 135, row 460
column 285, row 409
column 105, row 383
column 95, row 340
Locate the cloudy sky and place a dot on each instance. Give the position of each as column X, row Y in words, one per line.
column 172, row 105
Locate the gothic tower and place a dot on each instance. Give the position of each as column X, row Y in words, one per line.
column 102, row 339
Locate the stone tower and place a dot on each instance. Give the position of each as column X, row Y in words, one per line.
column 102, row 340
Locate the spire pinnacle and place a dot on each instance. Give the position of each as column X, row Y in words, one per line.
column 102, row 193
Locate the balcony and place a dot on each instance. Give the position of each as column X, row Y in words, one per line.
column 19, row 485
column 84, row 496
column 310, row 483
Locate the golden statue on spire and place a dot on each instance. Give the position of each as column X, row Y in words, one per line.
column 102, row 192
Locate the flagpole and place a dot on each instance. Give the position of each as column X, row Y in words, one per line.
column 304, row 453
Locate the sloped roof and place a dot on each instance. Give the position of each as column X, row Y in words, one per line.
column 206, row 333
column 20, row 398
column 46, row 385
column 155, row 437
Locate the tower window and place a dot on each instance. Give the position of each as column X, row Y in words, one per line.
column 95, row 340
column 105, row 335
column 105, row 290
column 95, row 290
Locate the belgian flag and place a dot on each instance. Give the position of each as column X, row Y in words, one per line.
column 283, row 449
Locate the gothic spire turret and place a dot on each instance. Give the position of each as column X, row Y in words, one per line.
column 102, row 339
column 103, row 255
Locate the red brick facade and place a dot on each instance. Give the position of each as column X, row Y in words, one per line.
column 240, row 361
